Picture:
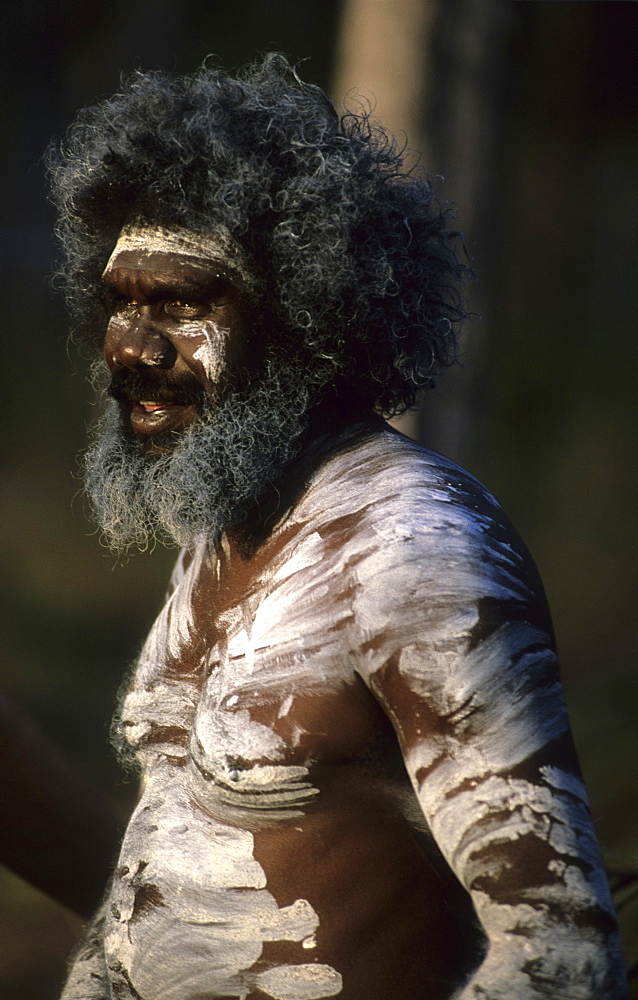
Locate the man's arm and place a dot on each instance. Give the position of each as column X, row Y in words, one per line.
column 463, row 664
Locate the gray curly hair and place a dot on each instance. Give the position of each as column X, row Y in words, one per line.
column 357, row 265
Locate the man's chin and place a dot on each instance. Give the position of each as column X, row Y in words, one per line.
column 195, row 482
column 159, row 445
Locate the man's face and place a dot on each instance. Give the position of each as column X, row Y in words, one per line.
column 178, row 331
column 209, row 404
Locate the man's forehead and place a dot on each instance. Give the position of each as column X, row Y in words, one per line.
column 142, row 238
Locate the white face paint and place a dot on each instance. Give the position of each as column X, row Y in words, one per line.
column 211, row 248
column 212, row 353
column 179, row 302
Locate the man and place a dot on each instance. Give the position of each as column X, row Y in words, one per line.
column 358, row 778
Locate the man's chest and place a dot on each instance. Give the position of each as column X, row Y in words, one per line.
column 248, row 681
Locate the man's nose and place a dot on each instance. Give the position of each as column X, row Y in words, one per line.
column 137, row 344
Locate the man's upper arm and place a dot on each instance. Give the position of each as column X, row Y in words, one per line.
column 455, row 643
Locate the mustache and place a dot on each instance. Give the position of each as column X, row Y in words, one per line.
column 210, row 475
column 128, row 386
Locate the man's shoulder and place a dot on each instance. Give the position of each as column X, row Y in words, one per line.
column 379, row 476
column 401, row 512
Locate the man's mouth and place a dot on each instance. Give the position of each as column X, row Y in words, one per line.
column 153, row 417
column 154, row 408
column 151, row 407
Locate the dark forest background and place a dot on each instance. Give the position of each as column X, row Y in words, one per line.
column 530, row 112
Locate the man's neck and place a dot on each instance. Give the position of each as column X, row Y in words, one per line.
column 329, row 426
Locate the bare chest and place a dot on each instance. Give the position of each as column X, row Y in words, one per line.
column 247, row 683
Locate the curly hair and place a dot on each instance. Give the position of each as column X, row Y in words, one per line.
column 354, row 256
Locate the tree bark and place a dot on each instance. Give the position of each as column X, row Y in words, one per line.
column 381, row 61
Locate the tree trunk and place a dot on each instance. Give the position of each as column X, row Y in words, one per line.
column 381, row 61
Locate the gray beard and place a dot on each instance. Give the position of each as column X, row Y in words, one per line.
column 213, row 473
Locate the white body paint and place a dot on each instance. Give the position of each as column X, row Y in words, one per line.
column 217, row 912
column 397, row 569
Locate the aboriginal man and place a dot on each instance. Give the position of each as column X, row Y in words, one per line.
column 357, row 774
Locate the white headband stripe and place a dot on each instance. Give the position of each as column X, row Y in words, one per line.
column 157, row 239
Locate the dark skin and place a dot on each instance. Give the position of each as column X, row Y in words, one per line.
column 322, row 691
column 159, row 301
column 59, row 833
column 388, row 903
column 182, row 315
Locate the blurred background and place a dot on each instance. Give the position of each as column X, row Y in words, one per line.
column 529, row 111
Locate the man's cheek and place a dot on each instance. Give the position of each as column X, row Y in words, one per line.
column 204, row 348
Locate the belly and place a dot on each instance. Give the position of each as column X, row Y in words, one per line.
column 346, row 900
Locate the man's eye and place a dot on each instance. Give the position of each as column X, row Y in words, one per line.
column 185, row 309
column 123, row 305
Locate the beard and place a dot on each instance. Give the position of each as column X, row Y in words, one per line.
column 207, row 476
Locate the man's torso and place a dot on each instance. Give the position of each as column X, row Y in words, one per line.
column 277, row 848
